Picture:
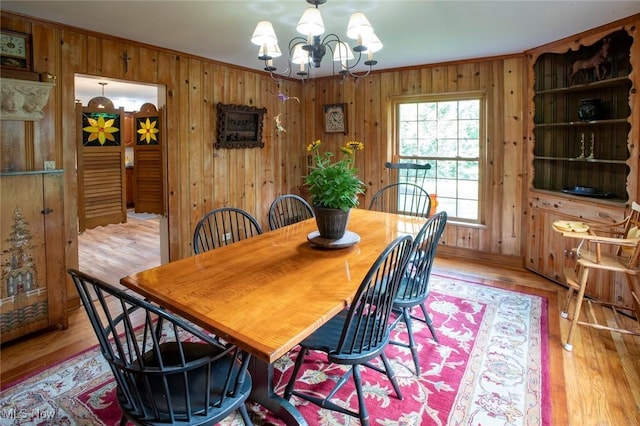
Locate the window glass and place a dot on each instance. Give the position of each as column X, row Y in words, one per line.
column 445, row 133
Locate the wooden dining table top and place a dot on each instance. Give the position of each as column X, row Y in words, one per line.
column 267, row 293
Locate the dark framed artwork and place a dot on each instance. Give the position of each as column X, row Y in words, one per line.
column 239, row 126
column 335, row 118
column 101, row 129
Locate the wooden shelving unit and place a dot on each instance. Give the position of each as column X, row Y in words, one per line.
column 563, row 156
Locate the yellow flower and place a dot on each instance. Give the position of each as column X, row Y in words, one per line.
column 100, row 129
column 355, row 145
column 147, row 131
column 313, row 145
column 346, row 150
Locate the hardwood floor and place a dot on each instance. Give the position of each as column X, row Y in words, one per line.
column 113, row 251
column 596, row 384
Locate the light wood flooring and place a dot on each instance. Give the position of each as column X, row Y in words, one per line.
column 596, row 384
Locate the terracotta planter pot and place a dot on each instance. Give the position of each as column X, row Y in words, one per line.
column 332, row 223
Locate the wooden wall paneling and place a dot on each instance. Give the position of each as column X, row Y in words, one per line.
column 112, row 60
column 14, row 146
column 222, row 170
column 371, row 160
column 45, row 54
column 93, row 56
column 233, row 181
column 177, row 208
column 236, row 185
column 410, row 81
column 355, row 118
column 297, row 118
column 208, row 135
column 272, row 178
column 488, row 81
column 384, row 151
column 468, row 76
column 426, row 80
column 512, row 183
column 13, row 23
column 146, row 65
column 452, row 78
column 439, row 79
column 73, row 58
column 191, row 142
column 253, row 156
column 198, row 175
column 291, row 147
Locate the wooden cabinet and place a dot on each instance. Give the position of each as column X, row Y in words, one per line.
column 128, row 129
column 583, row 130
column 33, row 289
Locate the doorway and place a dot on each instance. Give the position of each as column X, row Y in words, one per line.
column 112, row 251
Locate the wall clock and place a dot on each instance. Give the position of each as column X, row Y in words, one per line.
column 15, row 50
column 335, row 118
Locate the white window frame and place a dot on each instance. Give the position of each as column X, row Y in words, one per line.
column 482, row 163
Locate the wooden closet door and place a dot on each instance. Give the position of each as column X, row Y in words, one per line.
column 101, row 164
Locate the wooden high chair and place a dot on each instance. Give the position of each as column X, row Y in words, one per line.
column 614, row 248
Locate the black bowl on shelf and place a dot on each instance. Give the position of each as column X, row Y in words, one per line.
column 590, row 109
column 588, row 191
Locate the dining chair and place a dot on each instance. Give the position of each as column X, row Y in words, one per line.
column 288, row 209
column 224, row 226
column 614, row 248
column 407, row 195
column 409, row 172
column 414, row 286
column 359, row 333
column 166, row 369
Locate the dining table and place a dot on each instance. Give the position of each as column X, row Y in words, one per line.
column 267, row 293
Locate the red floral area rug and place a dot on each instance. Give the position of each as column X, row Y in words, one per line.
column 490, row 367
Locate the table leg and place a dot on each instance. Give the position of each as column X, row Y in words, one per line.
column 262, row 393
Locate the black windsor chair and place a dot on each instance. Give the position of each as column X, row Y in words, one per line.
column 224, row 226
column 407, row 196
column 359, row 333
column 288, row 209
column 166, row 369
column 414, row 287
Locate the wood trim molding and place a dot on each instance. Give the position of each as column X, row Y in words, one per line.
column 497, row 259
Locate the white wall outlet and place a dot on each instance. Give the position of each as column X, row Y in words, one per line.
column 49, row 165
column 227, row 236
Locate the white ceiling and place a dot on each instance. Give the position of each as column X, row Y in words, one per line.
column 414, row 32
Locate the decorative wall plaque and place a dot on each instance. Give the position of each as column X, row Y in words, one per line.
column 239, row 126
column 23, row 99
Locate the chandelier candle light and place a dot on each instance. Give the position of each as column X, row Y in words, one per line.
column 308, row 51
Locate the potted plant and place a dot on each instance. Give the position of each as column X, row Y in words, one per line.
column 334, row 187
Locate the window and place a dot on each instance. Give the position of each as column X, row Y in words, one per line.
column 445, row 132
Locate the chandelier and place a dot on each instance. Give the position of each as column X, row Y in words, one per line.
column 308, row 50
